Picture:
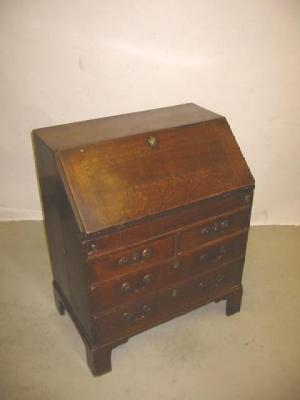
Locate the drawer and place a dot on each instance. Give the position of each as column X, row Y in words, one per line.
column 151, row 310
column 133, row 259
column 208, row 256
column 203, row 288
column 126, row 288
column 171, row 221
column 214, row 228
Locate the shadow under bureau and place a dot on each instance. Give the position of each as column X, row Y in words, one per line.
column 146, row 216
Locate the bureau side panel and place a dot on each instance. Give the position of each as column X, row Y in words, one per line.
column 52, row 204
column 64, row 241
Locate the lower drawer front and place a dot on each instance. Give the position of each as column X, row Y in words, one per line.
column 152, row 310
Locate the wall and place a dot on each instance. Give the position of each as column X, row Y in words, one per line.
column 62, row 61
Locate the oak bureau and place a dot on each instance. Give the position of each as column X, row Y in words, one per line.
column 146, row 217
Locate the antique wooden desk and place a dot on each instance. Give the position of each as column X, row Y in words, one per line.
column 146, row 215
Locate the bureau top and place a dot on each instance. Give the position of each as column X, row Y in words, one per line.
column 126, row 168
column 86, row 132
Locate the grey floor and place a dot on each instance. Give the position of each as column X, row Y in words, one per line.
column 203, row 355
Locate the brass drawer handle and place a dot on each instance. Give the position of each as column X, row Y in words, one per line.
column 202, row 285
column 220, row 278
column 135, row 258
column 146, row 309
column 152, row 141
column 146, row 253
column 123, row 261
column 126, row 288
column 174, row 293
column 176, row 264
column 213, row 255
column 217, row 227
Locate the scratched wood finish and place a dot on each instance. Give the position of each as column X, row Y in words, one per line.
column 146, row 216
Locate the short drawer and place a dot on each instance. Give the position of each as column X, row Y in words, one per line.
column 173, row 220
column 204, row 287
column 214, row 228
column 207, row 257
column 151, row 310
column 133, row 259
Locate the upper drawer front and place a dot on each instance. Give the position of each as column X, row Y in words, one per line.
column 174, row 220
column 122, row 262
column 150, row 310
column 214, row 228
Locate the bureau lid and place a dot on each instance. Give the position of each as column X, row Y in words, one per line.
column 129, row 178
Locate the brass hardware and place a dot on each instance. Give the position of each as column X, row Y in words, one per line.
column 127, row 317
column 152, row 141
column 91, row 247
column 148, row 279
column 146, row 308
column 125, row 287
column 205, row 230
column 146, row 253
column 123, row 261
column 216, row 227
column 203, row 257
column 130, row 317
column 220, row 279
column 174, row 293
column 202, row 285
column 135, row 257
column 224, row 224
column 176, row 264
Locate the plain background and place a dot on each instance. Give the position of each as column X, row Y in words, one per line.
column 64, row 61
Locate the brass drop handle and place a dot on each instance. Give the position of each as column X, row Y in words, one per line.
column 202, row 285
column 174, row 293
column 176, row 264
column 146, row 309
column 126, row 288
column 216, row 227
column 152, row 141
column 214, row 255
column 146, row 253
column 220, row 279
column 123, row 261
column 148, row 279
column 135, row 257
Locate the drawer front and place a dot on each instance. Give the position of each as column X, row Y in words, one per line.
column 129, row 260
column 154, row 309
column 209, row 256
column 124, row 289
column 173, row 221
column 214, row 228
column 209, row 285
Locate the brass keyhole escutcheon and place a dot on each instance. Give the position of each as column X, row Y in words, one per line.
column 152, row 141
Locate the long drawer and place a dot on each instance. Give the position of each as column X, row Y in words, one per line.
column 150, row 310
column 174, row 220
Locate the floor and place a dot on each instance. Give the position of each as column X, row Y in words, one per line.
column 254, row 354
